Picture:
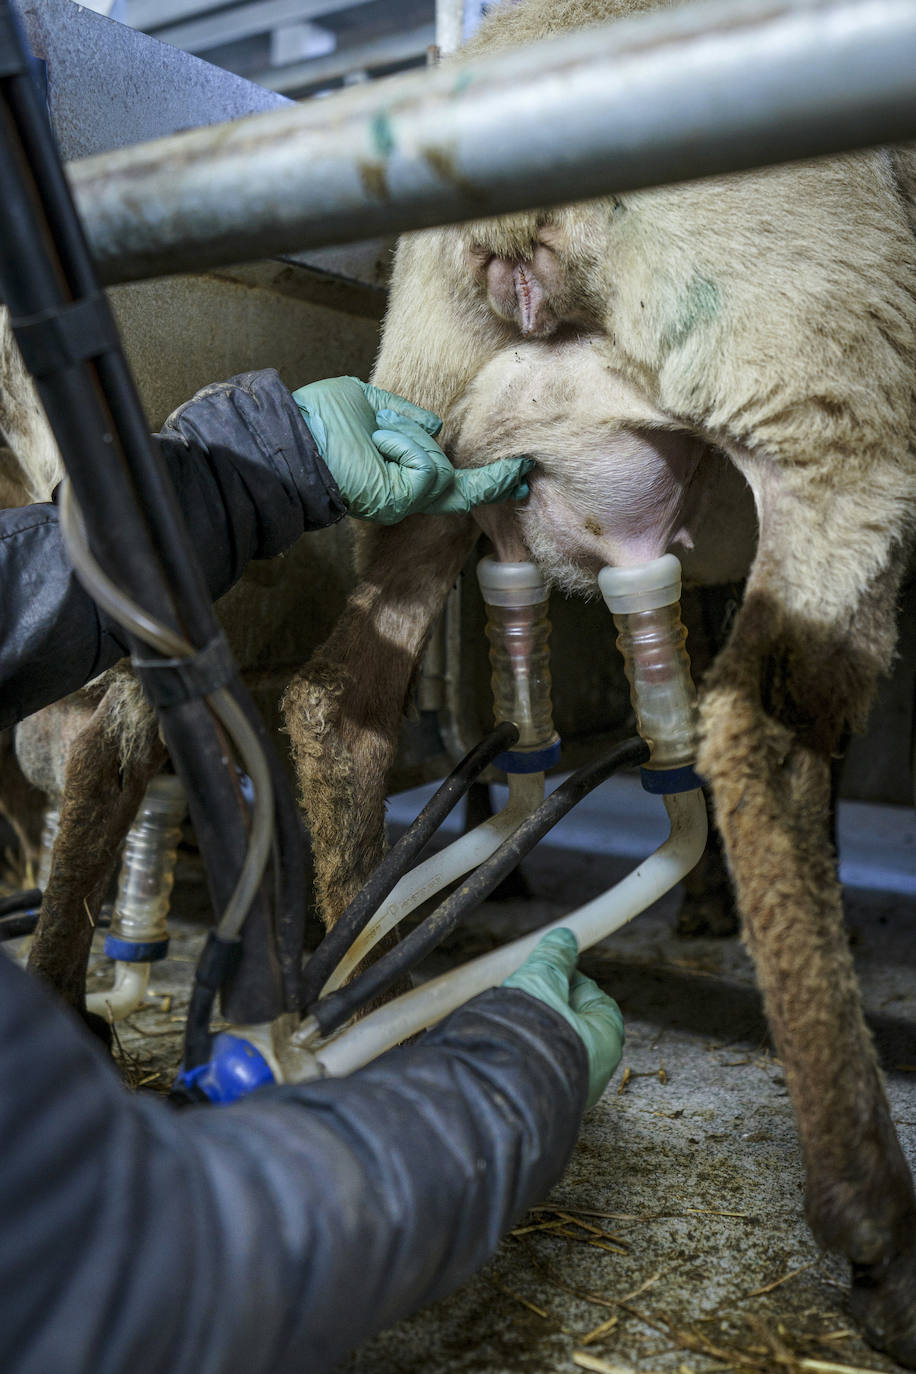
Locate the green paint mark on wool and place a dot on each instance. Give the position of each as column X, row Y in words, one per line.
column 699, row 304
column 383, row 140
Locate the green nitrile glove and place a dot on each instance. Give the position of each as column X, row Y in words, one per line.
column 459, row 489
column 380, row 452
column 550, row 974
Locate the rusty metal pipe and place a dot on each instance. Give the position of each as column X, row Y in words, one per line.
column 663, row 97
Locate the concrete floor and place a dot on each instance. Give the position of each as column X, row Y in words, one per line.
column 675, row 1240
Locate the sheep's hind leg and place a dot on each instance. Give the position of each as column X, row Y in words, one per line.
column 344, row 709
column 708, row 904
column 21, row 803
column 100, row 800
column 816, row 628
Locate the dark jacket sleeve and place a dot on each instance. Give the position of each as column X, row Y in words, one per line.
column 272, row 1236
column 249, row 480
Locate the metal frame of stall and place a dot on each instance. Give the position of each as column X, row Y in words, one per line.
column 662, row 97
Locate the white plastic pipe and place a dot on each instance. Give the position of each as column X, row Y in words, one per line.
column 126, row 993
column 526, row 791
column 422, row 1007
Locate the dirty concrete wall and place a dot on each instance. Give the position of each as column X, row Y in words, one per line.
column 182, row 332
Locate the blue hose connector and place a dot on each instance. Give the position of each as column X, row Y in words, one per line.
column 235, row 1068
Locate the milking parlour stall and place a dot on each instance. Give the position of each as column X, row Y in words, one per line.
column 524, row 545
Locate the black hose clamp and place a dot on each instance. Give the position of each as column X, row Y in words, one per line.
column 173, row 681
column 67, row 335
column 13, row 55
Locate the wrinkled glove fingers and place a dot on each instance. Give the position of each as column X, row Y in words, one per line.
column 390, row 400
column 555, row 954
column 562, row 947
column 547, row 970
column 501, row 480
column 410, row 474
column 542, row 979
column 391, row 424
column 587, row 1000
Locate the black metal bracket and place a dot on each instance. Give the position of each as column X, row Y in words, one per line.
column 12, row 59
column 66, row 336
column 170, row 681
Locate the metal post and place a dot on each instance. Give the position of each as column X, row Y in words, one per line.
column 449, row 25
column 456, row 20
column 657, row 98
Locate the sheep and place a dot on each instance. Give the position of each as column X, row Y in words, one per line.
column 92, row 753
column 766, row 324
column 21, row 803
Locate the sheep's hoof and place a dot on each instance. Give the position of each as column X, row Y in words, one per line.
column 883, row 1302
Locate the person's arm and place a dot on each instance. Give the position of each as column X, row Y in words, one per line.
column 276, row 1234
column 250, row 479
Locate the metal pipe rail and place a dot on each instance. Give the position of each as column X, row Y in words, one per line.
column 664, row 97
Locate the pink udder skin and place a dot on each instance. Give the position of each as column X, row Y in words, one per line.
column 616, row 483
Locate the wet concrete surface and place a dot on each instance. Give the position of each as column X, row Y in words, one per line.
column 675, row 1240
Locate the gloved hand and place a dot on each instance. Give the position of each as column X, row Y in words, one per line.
column 380, row 452
column 550, row 973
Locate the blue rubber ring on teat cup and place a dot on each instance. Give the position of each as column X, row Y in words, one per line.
column 663, row 781
column 136, row 951
column 528, row 760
